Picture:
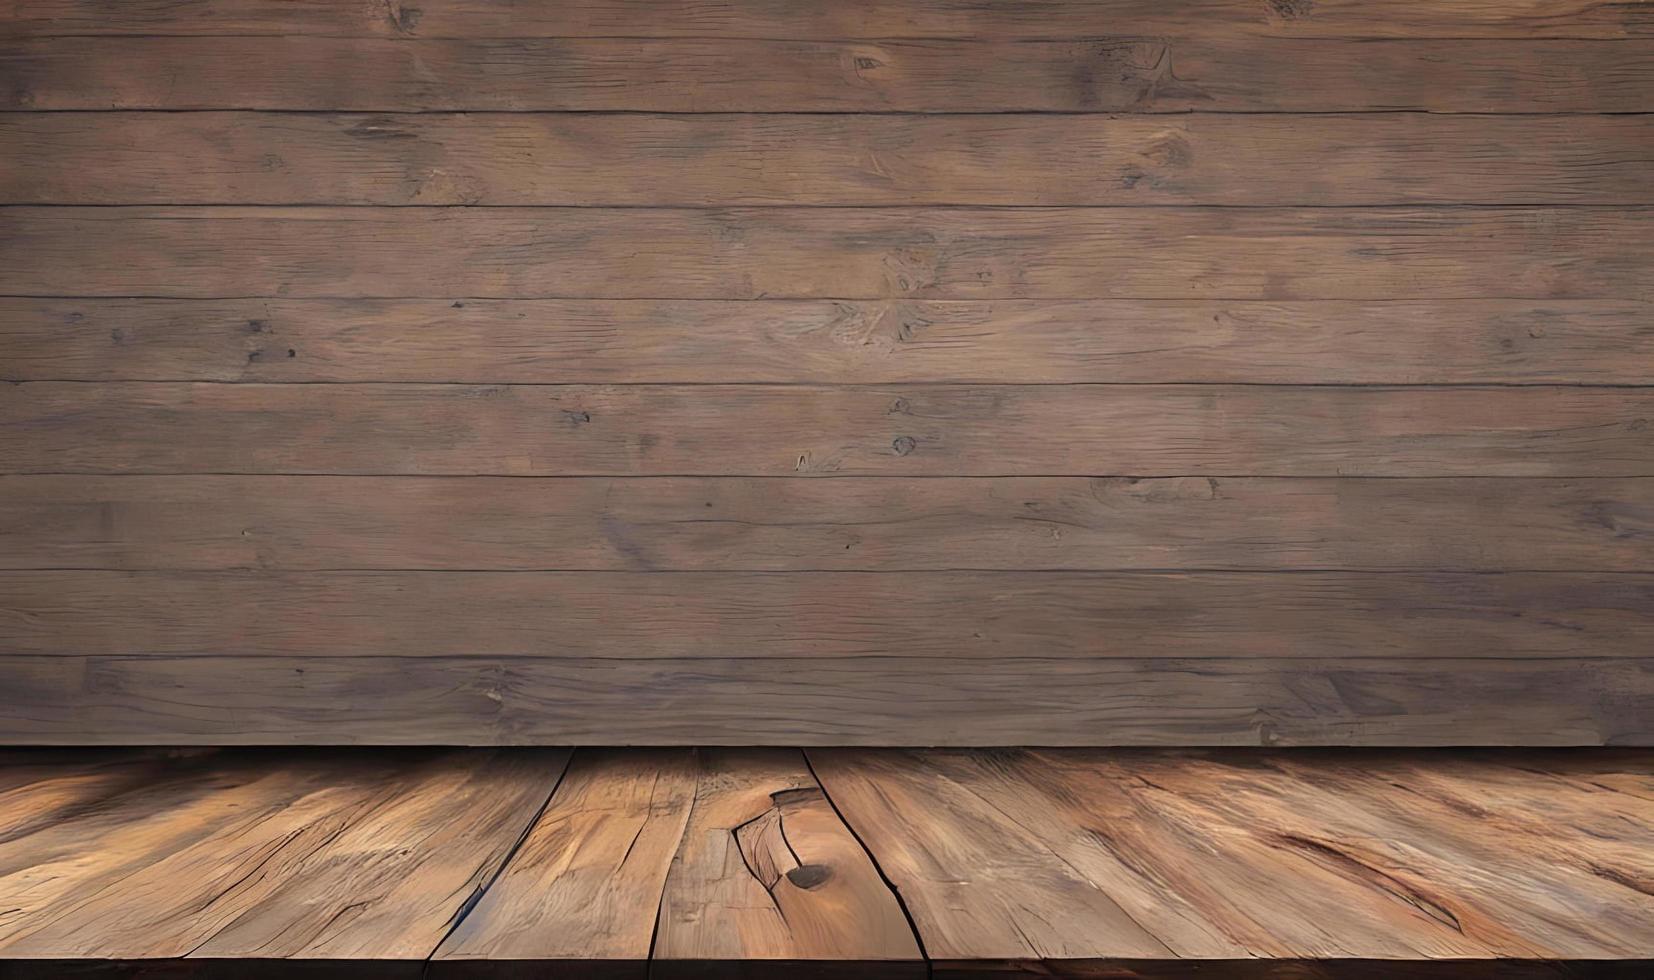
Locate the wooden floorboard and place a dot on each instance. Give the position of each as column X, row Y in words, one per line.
column 1515, row 19
column 1398, row 341
column 632, row 159
column 828, row 431
column 1124, row 73
column 826, row 863
column 848, row 524
column 829, row 253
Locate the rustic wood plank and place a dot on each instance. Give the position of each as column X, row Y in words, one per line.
column 847, row 524
column 1397, row 341
column 1111, row 817
column 854, row 253
column 1461, row 840
column 582, row 892
column 257, row 856
column 767, row 872
column 987, row 74
column 978, row 883
column 595, row 159
column 842, row 701
column 947, row 615
column 738, row 850
column 1309, row 863
column 1326, row 876
column 759, row 430
column 1547, row 884
column 1520, row 19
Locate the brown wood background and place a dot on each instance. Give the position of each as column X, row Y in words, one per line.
column 869, row 372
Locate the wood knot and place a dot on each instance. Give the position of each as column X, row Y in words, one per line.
column 807, row 876
column 1291, row 9
column 904, row 445
column 403, row 19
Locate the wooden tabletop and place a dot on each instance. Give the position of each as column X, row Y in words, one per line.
column 822, row 863
column 831, row 862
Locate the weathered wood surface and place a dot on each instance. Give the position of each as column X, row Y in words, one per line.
column 837, row 253
column 1398, row 341
column 325, row 855
column 738, row 850
column 582, row 891
column 1319, row 856
column 824, row 74
column 946, row 615
column 1222, row 371
column 1516, row 19
column 761, row 430
column 721, row 524
column 631, row 159
column 767, row 871
column 839, row 700
column 770, row 863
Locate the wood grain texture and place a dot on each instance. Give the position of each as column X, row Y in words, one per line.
column 856, row 253
column 768, row 872
column 944, row 615
column 582, row 891
column 821, row 74
column 840, row 701
column 1335, row 863
column 828, row 341
column 744, row 859
column 329, row 855
column 595, row 159
column 1254, row 864
column 758, row 430
column 1229, row 371
column 1518, row 19
column 848, row 524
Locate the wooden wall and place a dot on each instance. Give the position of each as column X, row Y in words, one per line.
column 877, row 371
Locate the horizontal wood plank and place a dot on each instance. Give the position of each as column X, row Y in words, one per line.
column 849, row 524
column 855, row 253
column 728, row 615
column 828, row 341
column 757, row 430
column 863, row 701
column 1519, row 19
column 595, row 159
column 726, row 74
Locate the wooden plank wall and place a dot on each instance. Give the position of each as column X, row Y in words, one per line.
column 871, row 372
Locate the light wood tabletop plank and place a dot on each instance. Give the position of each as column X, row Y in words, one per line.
column 768, row 872
column 1315, row 856
column 582, row 891
column 264, row 855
